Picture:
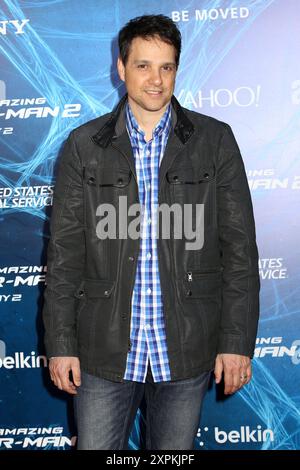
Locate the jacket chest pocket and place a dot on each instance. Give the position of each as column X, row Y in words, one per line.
column 107, row 177
column 192, row 192
column 187, row 177
column 191, row 186
column 105, row 185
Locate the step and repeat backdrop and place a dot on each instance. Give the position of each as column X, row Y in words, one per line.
column 240, row 64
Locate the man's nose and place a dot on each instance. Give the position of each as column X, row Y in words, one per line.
column 155, row 77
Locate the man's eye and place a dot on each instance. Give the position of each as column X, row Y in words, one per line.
column 142, row 66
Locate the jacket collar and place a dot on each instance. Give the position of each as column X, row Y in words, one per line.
column 115, row 125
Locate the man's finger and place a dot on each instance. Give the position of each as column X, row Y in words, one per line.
column 228, row 380
column 69, row 387
column 249, row 374
column 218, row 371
column 57, row 382
column 76, row 375
column 66, row 384
column 236, row 381
column 60, row 368
column 54, row 378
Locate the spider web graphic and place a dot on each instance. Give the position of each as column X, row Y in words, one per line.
column 40, row 66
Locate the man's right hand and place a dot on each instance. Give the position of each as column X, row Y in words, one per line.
column 60, row 368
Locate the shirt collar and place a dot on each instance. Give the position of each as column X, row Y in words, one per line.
column 163, row 125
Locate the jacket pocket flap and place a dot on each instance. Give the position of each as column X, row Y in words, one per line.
column 190, row 175
column 98, row 287
column 116, row 177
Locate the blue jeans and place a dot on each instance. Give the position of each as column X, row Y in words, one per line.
column 105, row 412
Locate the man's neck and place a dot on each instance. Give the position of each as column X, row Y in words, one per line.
column 147, row 120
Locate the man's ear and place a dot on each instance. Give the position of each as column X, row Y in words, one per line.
column 121, row 69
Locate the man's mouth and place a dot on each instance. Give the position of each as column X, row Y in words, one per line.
column 153, row 92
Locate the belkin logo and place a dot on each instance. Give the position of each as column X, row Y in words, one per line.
column 20, row 361
column 244, row 434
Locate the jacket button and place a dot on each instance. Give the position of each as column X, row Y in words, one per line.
column 106, row 293
column 131, row 258
column 81, row 293
column 120, row 181
column 206, row 175
column 175, row 178
column 124, row 316
column 91, row 180
column 189, row 293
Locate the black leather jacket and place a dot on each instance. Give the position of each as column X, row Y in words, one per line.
column 211, row 295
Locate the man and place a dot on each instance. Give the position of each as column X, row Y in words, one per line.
column 129, row 315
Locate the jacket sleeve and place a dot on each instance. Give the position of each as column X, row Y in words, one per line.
column 239, row 254
column 65, row 256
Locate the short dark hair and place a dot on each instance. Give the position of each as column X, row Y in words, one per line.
column 149, row 26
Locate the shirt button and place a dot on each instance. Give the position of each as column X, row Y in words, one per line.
column 148, row 255
column 149, row 221
column 148, row 152
column 147, row 327
column 149, row 291
column 149, row 186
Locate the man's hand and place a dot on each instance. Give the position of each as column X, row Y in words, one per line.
column 237, row 371
column 60, row 368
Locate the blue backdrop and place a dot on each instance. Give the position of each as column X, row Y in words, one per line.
column 240, row 63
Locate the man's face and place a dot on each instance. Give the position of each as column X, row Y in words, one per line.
column 149, row 74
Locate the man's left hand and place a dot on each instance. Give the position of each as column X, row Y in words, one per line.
column 237, row 371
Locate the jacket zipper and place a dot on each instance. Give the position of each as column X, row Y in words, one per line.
column 197, row 273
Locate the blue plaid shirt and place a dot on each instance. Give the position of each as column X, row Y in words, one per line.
column 147, row 329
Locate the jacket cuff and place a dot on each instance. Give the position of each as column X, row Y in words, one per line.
column 61, row 348
column 235, row 344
